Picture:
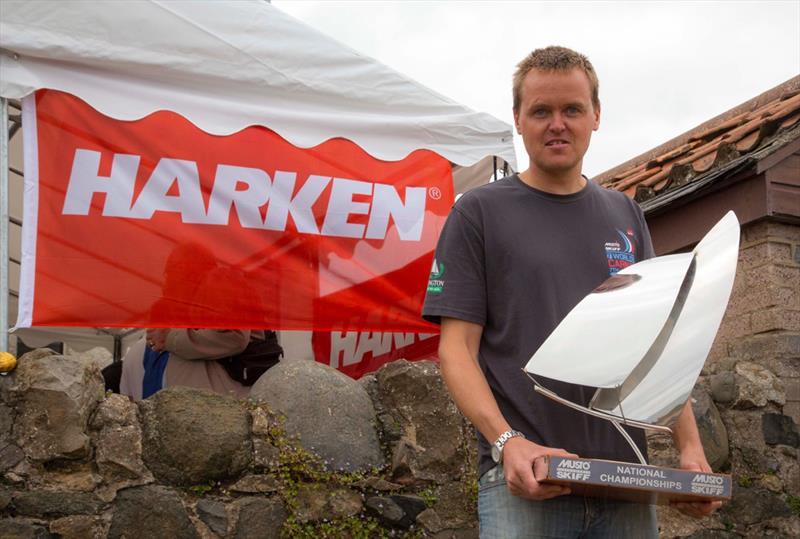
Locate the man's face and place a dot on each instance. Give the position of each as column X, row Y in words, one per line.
column 556, row 119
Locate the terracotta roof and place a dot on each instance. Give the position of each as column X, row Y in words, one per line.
column 771, row 119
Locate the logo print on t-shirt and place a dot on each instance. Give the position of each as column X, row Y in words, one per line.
column 436, row 283
column 620, row 254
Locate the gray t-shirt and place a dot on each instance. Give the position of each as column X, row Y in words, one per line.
column 516, row 260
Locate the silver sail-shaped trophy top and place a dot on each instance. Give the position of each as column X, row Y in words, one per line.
column 642, row 336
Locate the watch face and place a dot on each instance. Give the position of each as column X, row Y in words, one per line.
column 496, row 454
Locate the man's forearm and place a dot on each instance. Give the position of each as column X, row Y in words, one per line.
column 458, row 359
column 687, row 437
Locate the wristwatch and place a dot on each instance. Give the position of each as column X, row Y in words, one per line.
column 497, row 448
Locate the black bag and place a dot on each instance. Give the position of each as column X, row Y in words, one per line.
column 255, row 360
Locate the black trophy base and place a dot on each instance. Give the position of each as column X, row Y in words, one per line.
column 632, row 482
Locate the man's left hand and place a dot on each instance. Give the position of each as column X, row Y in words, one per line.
column 156, row 338
column 696, row 509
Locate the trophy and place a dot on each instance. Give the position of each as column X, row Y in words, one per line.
column 641, row 339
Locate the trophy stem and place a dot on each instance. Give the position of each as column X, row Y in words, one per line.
column 629, row 440
column 596, row 413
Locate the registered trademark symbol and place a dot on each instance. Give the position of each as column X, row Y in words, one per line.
column 435, row 193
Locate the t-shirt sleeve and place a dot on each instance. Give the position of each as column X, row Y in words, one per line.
column 457, row 284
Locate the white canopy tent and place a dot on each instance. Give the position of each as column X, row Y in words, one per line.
column 223, row 66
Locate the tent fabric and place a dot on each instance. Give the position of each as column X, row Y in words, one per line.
column 227, row 65
column 79, row 339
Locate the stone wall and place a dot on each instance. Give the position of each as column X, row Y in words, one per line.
column 313, row 454
column 747, row 400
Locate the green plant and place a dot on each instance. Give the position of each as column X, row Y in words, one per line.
column 202, row 489
column 728, row 524
column 745, row 481
column 794, row 504
column 353, row 527
column 429, row 496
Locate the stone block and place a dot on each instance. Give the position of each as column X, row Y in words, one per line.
column 412, row 505
column 150, row 511
column 388, row 512
column 260, row 518
column 775, row 319
column 115, row 411
column 430, row 521
column 98, row 356
column 780, row 429
column 783, row 231
column 338, row 424
column 10, row 456
column 71, row 475
column 723, row 387
column 760, row 253
column 767, row 346
column 19, row 528
column 744, row 427
column 265, row 455
column 77, row 527
column 755, row 231
column 674, row 524
column 192, row 436
column 52, row 503
column 378, row 484
column 455, row 507
column 788, row 469
column 757, row 386
column 792, row 385
column 787, row 275
column 317, row 502
column 6, row 422
column 54, row 397
column 461, row 533
column 736, row 322
column 256, row 484
column 750, row 506
column 214, row 515
column 792, row 409
column 118, row 453
column 432, row 445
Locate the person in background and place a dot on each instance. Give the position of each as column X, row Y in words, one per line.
column 184, row 357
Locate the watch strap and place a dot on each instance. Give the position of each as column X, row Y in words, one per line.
column 506, row 436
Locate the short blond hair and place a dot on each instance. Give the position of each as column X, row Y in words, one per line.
column 554, row 58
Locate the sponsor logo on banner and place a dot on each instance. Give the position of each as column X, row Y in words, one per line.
column 246, row 189
column 156, row 223
column 357, row 353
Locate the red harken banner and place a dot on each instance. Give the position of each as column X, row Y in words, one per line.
column 156, row 223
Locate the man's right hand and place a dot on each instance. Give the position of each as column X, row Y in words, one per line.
column 519, row 456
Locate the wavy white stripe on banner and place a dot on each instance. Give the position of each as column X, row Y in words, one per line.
column 30, row 212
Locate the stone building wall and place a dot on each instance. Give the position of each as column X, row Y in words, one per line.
column 762, row 323
column 747, row 400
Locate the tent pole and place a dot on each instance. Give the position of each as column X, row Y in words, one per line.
column 4, row 298
column 117, row 348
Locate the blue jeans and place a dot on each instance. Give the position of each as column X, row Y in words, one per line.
column 505, row 516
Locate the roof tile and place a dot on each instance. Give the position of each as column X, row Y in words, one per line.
column 709, row 146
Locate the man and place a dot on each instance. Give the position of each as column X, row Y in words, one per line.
column 513, row 259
